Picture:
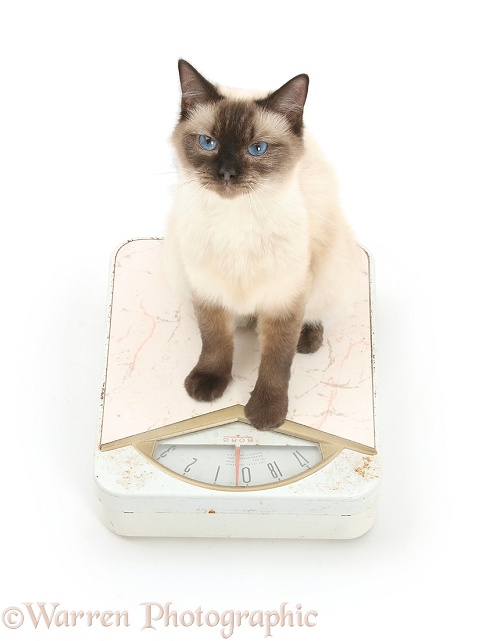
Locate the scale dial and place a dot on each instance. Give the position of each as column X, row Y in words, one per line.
column 236, row 457
column 237, row 465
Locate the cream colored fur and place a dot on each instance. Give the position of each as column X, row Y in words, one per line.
column 261, row 251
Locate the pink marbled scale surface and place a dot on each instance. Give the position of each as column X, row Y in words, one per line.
column 154, row 342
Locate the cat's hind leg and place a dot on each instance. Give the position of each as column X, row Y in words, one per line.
column 311, row 338
column 212, row 374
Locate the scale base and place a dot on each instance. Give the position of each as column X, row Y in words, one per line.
column 251, row 526
column 139, row 499
column 153, row 342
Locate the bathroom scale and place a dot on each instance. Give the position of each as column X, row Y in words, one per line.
column 166, row 465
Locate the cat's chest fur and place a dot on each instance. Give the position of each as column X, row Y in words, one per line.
column 245, row 253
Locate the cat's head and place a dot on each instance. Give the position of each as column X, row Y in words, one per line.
column 232, row 144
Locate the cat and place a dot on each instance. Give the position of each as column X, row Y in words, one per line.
column 256, row 232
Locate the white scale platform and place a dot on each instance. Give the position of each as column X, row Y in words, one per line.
column 167, row 465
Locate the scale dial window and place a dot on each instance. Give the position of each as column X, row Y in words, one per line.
column 236, row 456
column 237, row 466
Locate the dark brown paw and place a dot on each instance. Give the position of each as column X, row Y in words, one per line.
column 310, row 339
column 265, row 412
column 206, row 386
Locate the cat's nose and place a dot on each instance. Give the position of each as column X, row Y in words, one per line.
column 227, row 173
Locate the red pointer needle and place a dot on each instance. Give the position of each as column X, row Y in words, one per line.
column 237, row 461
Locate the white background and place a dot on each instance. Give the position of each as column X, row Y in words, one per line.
column 88, row 98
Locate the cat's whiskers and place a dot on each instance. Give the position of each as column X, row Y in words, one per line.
column 186, row 183
column 192, row 176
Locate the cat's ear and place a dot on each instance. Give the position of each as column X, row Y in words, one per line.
column 195, row 89
column 289, row 100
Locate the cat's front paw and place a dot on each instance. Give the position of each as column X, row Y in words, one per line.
column 206, row 386
column 265, row 411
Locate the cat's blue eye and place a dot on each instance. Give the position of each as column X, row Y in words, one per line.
column 257, row 148
column 207, row 143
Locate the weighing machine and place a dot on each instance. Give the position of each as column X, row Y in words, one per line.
column 169, row 466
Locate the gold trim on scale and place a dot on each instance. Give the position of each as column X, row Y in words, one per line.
column 331, row 446
column 231, row 415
